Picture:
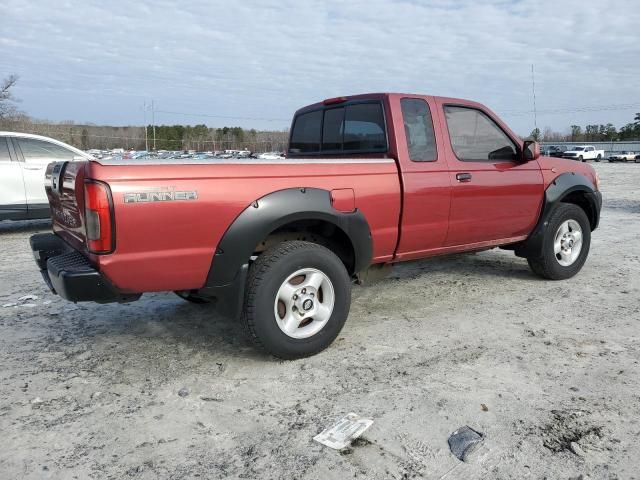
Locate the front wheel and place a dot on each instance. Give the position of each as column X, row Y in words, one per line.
column 565, row 245
column 297, row 300
column 581, row 158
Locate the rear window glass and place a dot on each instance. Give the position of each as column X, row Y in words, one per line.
column 332, row 129
column 418, row 128
column 364, row 128
column 306, row 132
column 355, row 128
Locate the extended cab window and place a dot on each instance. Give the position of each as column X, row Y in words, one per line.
column 418, row 128
column 475, row 137
column 354, row 128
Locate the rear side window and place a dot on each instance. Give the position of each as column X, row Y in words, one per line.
column 418, row 128
column 4, row 150
column 33, row 149
column 355, row 128
column 475, row 137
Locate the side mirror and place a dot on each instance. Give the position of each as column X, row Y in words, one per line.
column 530, row 150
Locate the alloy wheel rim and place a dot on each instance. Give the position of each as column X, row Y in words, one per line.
column 567, row 243
column 304, row 303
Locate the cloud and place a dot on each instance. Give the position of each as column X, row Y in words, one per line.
column 98, row 61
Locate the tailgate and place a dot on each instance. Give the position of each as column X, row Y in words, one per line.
column 64, row 184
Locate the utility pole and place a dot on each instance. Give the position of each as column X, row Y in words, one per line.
column 146, row 137
column 533, row 88
column 153, row 122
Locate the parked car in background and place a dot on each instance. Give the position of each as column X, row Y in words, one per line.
column 270, row 156
column 557, row 151
column 23, row 161
column 583, row 153
column 368, row 181
column 637, row 159
column 622, row 157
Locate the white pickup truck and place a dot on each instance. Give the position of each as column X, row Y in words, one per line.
column 584, row 153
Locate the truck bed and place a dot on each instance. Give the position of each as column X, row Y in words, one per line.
column 181, row 235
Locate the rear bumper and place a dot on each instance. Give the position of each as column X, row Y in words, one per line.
column 69, row 274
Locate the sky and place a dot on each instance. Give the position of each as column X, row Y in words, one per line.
column 253, row 63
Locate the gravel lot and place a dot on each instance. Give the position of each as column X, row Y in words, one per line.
column 89, row 391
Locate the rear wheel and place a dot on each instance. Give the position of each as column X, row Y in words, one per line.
column 565, row 245
column 297, row 300
column 581, row 158
column 598, row 158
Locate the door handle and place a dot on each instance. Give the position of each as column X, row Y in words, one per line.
column 463, row 177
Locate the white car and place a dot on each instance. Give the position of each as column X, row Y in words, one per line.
column 622, row 157
column 23, row 161
column 584, row 153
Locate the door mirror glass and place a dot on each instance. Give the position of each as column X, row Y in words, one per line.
column 531, row 150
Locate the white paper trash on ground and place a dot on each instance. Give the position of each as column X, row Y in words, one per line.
column 346, row 430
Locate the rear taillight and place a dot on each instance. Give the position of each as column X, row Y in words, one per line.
column 98, row 216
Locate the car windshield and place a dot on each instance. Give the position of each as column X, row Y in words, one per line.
column 579, row 149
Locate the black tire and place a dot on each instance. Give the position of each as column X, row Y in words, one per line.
column 268, row 273
column 581, row 158
column 547, row 266
column 598, row 158
column 190, row 297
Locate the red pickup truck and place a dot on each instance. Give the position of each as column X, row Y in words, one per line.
column 368, row 180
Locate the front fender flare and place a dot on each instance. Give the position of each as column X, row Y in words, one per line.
column 562, row 186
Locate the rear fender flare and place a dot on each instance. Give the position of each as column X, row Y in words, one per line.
column 228, row 271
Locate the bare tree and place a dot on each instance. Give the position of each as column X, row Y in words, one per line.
column 7, row 99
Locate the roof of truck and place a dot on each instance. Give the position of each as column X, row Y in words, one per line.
column 379, row 96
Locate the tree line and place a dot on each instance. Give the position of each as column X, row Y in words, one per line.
column 591, row 133
column 167, row 137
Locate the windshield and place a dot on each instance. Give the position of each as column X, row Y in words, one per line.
column 579, row 149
